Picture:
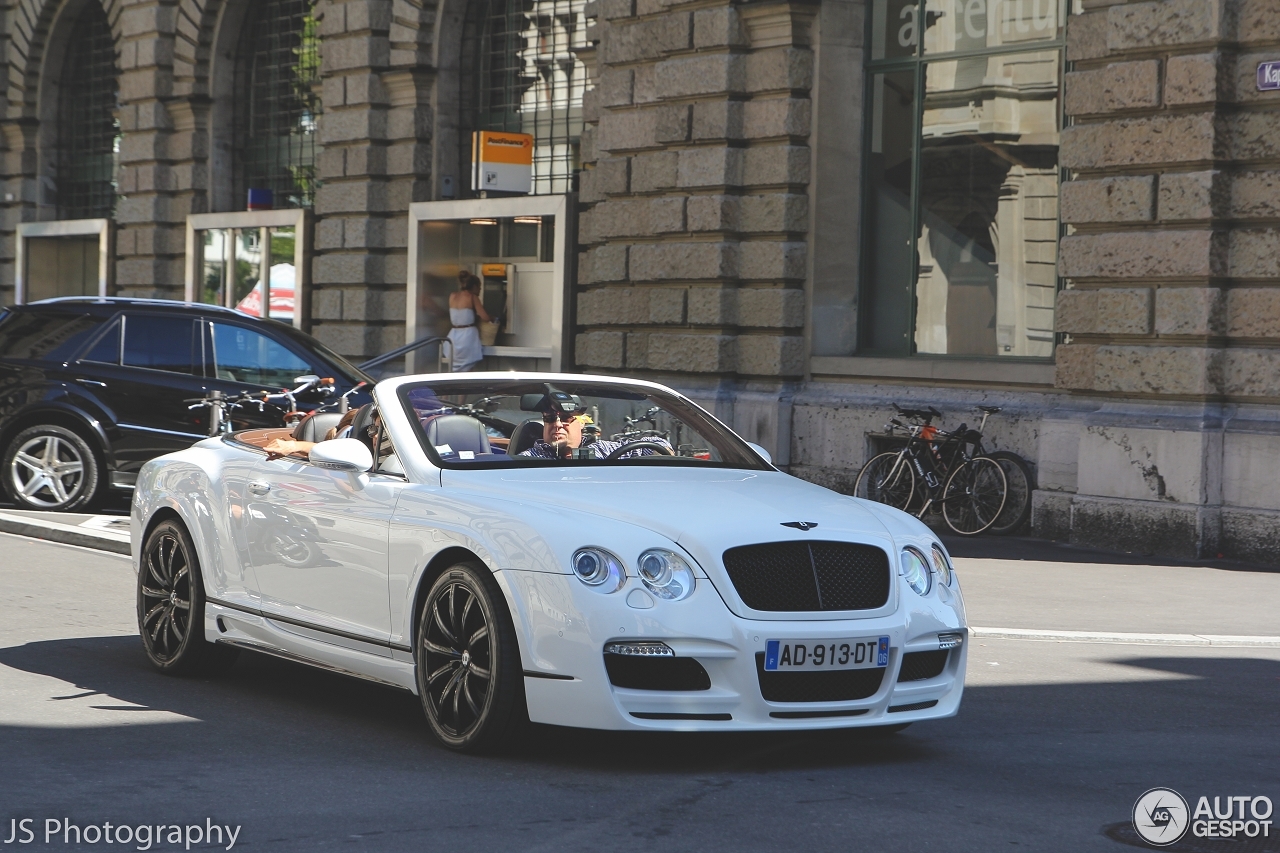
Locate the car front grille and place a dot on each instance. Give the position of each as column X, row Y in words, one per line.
column 917, row 666
column 841, row 685
column 798, row 576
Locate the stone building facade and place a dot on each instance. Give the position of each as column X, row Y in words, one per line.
column 800, row 213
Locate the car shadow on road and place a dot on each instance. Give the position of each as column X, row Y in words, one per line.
column 274, row 709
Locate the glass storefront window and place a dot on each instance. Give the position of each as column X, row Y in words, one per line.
column 962, row 178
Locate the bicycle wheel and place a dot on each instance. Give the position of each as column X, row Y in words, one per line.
column 887, row 480
column 974, row 495
column 1017, row 506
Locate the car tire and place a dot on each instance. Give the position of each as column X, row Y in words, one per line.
column 469, row 675
column 171, row 606
column 49, row 467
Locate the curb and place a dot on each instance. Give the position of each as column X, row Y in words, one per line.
column 67, row 534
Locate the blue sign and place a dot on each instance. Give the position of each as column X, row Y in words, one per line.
column 771, row 655
column 1269, row 75
column 882, row 653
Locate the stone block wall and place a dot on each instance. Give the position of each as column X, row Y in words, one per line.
column 1172, row 278
column 695, row 207
column 376, row 133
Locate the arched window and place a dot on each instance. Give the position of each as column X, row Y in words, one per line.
column 277, row 101
column 531, row 81
column 88, row 133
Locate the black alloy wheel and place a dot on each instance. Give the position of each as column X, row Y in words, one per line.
column 49, row 467
column 171, row 605
column 468, row 664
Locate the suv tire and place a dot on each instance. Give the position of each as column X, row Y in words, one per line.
column 49, row 467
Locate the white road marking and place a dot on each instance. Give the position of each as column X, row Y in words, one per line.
column 1124, row 638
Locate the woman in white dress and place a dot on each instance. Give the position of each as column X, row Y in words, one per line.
column 464, row 308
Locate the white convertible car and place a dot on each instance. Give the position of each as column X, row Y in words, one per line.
column 566, row 549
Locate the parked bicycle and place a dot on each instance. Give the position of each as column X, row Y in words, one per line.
column 285, row 402
column 976, row 491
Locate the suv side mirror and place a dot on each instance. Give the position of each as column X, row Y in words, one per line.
column 764, row 454
column 342, row 454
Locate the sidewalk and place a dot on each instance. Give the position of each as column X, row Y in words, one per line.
column 103, row 532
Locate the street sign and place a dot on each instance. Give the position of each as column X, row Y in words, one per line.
column 501, row 162
column 1269, row 75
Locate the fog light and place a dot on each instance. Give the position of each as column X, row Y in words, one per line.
column 949, row 641
column 640, row 649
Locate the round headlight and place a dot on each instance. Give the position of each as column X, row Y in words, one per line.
column 598, row 568
column 915, row 570
column 666, row 574
column 941, row 565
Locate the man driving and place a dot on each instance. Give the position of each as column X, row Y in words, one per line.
column 563, row 421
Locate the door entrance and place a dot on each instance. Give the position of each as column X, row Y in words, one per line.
column 64, row 258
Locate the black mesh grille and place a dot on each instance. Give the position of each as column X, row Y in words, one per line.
column 791, row 576
column 917, row 666
column 836, row 686
column 655, row 673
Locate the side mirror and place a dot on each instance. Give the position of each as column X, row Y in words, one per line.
column 307, row 378
column 760, row 450
column 342, row 454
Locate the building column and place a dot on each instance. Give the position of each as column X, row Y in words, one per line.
column 1168, row 442
column 695, row 211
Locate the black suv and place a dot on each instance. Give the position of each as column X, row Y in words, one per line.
column 90, row 388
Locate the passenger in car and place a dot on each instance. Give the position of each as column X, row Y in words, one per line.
column 294, row 447
column 562, row 438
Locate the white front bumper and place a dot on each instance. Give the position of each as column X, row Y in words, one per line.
column 564, row 627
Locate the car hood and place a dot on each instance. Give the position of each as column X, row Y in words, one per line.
column 705, row 511
column 684, row 504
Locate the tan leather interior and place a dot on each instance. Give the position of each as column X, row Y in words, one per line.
column 263, row 437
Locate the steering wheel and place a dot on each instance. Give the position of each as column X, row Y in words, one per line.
column 636, row 445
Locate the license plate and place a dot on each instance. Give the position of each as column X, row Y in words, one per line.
column 814, row 655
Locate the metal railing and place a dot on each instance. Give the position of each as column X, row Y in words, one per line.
column 443, row 362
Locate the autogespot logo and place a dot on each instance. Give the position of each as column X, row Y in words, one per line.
column 1160, row 817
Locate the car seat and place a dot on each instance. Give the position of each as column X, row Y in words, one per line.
column 316, row 425
column 524, row 436
column 460, row 433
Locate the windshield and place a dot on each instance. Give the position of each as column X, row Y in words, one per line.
column 507, row 423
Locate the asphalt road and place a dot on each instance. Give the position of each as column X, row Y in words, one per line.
column 1054, row 742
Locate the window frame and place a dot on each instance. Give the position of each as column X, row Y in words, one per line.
column 297, row 218
column 966, row 367
column 103, row 228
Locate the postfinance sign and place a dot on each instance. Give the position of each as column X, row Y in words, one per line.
column 501, row 162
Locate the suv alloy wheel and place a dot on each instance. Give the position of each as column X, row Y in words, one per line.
column 49, row 467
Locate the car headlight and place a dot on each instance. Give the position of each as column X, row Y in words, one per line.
column 941, row 565
column 599, row 569
column 915, row 570
column 666, row 574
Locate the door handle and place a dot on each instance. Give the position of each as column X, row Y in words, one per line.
column 258, row 487
column 92, row 382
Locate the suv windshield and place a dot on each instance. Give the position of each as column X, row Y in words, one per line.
column 505, row 423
